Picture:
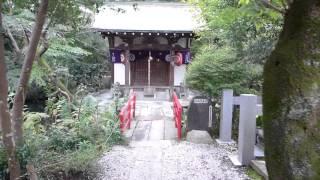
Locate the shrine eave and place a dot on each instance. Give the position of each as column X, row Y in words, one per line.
column 122, row 32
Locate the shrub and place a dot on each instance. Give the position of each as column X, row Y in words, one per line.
column 68, row 146
column 3, row 162
column 215, row 69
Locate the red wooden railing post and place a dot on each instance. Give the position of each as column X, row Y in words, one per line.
column 127, row 112
column 134, row 104
column 177, row 110
column 121, row 118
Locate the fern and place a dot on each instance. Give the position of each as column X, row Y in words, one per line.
column 38, row 75
column 64, row 50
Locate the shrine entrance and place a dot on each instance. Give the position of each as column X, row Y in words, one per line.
column 159, row 72
column 139, row 72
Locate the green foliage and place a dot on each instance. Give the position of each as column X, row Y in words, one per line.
column 233, row 47
column 76, row 61
column 69, row 139
column 71, row 134
column 215, row 70
column 3, row 162
column 63, row 49
column 13, row 74
column 32, row 121
column 39, row 75
column 71, row 142
column 69, row 12
column 259, row 121
column 253, row 174
column 75, row 54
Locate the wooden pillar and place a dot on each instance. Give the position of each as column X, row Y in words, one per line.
column 127, row 66
column 110, row 43
column 112, row 73
column 149, row 68
column 171, row 72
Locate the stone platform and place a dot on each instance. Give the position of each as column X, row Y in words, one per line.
column 154, row 121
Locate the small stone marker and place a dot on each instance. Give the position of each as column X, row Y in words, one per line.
column 200, row 114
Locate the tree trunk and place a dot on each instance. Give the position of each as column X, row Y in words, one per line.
column 291, row 96
column 26, row 71
column 5, row 120
column 32, row 172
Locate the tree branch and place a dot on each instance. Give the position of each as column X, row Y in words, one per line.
column 45, row 43
column 13, row 40
column 65, row 94
column 44, row 49
column 285, row 4
column 18, row 51
column 269, row 5
column 26, row 35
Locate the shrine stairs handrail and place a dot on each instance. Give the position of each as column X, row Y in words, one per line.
column 177, row 112
column 127, row 112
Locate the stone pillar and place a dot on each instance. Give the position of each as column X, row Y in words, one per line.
column 226, row 117
column 247, row 128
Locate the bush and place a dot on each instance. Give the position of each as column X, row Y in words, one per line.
column 3, row 162
column 215, row 69
column 68, row 146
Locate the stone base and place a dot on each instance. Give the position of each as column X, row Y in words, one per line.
column 220, row 142
column 258, row 152
column 129, row 132
column 260, row 168
column 148, row 92
column 199, row 137
column 235, row 160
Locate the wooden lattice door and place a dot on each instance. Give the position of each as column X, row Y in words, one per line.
column 139, row 72
column 159, row 73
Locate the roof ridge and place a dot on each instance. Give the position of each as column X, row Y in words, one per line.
column 147, row 3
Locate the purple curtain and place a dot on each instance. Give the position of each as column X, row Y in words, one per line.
column 143, row 54
column 115, row 55
column 186, row 56
column 135, row 55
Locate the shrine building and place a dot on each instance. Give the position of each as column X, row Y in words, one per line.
column 149, row 42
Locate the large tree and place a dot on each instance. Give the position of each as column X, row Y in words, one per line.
column 16, row 117
column 29, row 49
column 56, row 12
column 18, row 103
column 291, row 96
column 4, row 111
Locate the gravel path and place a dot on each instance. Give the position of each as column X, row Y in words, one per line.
column 166, row 158
column 169, row 160
column 103, row 97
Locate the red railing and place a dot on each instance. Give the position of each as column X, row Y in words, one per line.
column 177, row 112
column 127, row 112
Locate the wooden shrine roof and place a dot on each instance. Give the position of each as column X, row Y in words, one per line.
column 154, row 17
